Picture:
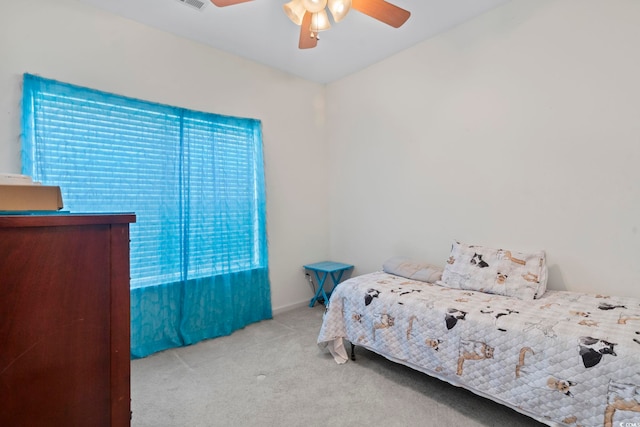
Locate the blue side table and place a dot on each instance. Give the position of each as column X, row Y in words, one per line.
column 322, row 270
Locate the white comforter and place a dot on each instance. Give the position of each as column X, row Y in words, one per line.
column 566, row 358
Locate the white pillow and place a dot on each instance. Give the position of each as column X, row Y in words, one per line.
column 496, row 271
column 415, row 270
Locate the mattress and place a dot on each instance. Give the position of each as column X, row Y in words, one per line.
column 564, row 359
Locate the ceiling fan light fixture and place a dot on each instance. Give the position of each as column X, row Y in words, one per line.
column 314, row 6
column 319, row 21
column 295, row 11
column 339, row 9
column 311, row 15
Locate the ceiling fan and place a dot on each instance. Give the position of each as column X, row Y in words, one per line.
column 312, row 17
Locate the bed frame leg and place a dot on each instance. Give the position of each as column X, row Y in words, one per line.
column 353, row 354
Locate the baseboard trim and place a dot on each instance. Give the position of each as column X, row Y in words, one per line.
column 289, row 307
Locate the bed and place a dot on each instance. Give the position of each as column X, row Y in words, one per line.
column 562, row 358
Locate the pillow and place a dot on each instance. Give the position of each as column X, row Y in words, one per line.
column 415, row 270
column 496, row 271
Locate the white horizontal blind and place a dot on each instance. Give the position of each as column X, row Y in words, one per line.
column 194, row 180
column 222, row 197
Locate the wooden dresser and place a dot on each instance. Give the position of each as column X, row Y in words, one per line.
column 64, row 320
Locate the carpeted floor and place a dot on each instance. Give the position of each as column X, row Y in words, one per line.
column 272, row 373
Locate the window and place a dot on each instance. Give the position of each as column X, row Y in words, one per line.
column 194, row 180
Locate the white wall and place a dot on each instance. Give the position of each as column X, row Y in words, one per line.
column 69, row 41
column 519, row 129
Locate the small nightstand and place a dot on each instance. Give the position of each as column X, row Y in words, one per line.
column 322, row 270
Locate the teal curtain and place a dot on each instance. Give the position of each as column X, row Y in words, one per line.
column 199, row 260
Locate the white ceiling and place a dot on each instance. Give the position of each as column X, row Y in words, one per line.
column 259, row 30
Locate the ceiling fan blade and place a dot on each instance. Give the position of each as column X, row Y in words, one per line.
column 382, row 11
column 223, row 3
column 307, row 41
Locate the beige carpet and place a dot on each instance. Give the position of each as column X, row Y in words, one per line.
column 272, row 373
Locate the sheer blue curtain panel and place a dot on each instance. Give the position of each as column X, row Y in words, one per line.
column 195, row 180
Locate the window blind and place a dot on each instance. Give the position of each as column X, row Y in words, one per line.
column 194, row 180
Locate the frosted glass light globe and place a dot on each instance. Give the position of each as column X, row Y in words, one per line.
column 320, row 22
column 339, row 9
column 295, row 11
column 314, row 6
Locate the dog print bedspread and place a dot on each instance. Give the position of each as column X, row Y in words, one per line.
column 565, row 359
